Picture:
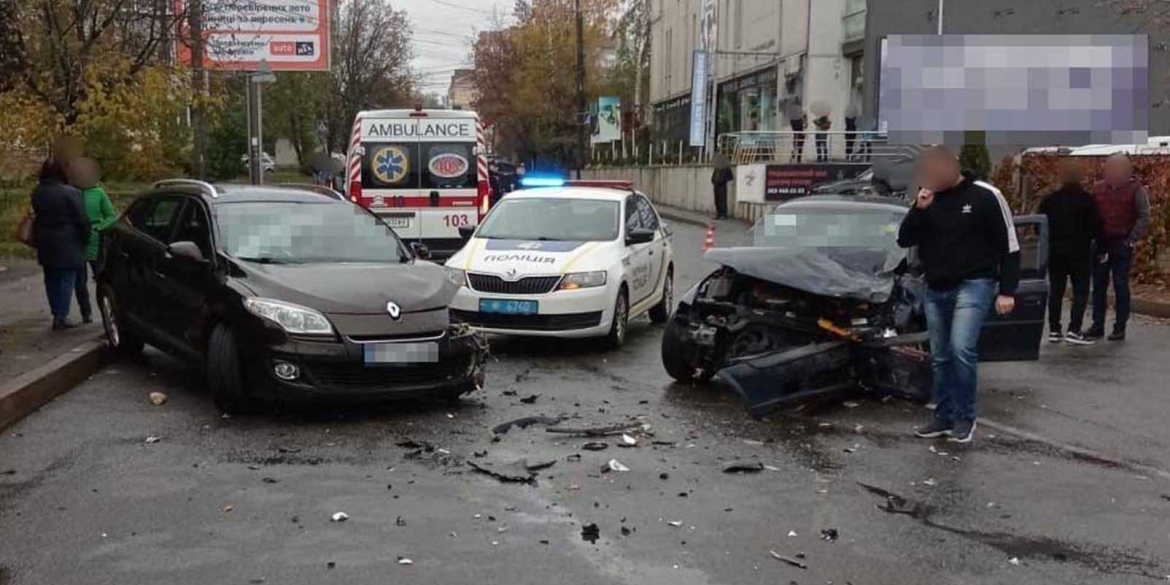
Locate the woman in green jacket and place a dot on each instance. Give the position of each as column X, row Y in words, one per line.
column 85, row 173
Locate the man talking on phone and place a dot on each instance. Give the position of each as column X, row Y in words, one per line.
column 967, row 244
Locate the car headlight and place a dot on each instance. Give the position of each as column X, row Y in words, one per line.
column 576, row 280
column 457, row 276
column 292, row 318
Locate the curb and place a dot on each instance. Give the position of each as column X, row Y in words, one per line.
column 31, row 390
column 693, row 220
column 1150, row 308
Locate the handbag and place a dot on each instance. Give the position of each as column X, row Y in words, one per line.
column 24, row 231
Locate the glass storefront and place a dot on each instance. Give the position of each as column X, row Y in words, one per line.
column 748, row 103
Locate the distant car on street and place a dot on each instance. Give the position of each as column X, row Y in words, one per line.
column 282, row 293
column 267, row 163
column 577, row 259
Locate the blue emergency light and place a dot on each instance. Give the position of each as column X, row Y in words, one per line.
column 542, row 182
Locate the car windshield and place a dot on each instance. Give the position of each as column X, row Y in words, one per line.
column 304, row 233
column 552, row 219
column 844, row 226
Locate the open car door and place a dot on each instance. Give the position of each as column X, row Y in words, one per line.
column 1017, row 335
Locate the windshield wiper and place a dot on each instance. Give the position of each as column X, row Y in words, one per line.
column 265, row 260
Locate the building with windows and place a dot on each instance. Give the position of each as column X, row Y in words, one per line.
column 766, row 57
column 461, row 94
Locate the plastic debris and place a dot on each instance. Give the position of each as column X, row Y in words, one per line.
column 829, row 535
column 228, row 508
column 1015, row 561
column 590, row 533
column 400, row 521
column 614, row 465
column 851, row 404
column 269, row 480
column 595, row 431
column 514, row 472
column 530, row 399
column 405, row 561
column 853, row 449
column 791, row 533
column 524, row 422
column 157, row 398
column 675, row 523
column 929, row 482
column 791, row 561
column 594, row 446
column 743, row 467
column 628, row 441
column 752, row 442
column 339, row 517
column 150, row 440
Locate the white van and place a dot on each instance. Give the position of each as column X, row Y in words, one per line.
column 424, row 172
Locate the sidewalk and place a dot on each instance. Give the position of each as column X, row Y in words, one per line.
column 697, row 218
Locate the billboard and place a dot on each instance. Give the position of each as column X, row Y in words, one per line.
column 609, row 119
column 291, row 35
column 1018, row 90
column 783, row 182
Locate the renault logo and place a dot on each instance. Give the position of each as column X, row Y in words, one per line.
column 394, row 310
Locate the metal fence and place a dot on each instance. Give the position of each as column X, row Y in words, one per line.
column 788, row 146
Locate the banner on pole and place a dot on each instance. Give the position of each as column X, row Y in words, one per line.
column 699, row 74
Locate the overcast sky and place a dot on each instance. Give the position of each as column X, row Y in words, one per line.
column 443, row 30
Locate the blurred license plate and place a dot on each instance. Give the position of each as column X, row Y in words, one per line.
column 401, row 353
column 507, row 307
column 400, row 221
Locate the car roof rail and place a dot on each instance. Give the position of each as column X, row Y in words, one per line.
column 204, row 187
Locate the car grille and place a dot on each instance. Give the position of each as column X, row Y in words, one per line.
column 531, row 285
column 564, row 322
column 357, row 376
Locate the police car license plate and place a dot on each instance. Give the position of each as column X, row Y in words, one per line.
column 401, row 353
column 507, row 307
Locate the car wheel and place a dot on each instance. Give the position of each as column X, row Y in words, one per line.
column 225, row 372
column 661, row 312
column 621, row 321
column 679, row 357
column 122, row 341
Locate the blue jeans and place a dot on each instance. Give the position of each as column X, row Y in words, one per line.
column 60, row 284
column 955, row 318
column 1120, row 260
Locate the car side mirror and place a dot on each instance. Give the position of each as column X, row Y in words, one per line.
column 421, row 251
column 186, row 250
column 639, row 236
column 466, row 231
column 665, row 227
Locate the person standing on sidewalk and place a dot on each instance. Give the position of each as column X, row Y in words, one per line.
column 84, row 173
column 967, row 243
column 1073, row 224
column 1125, row 216
column 797, row 120
column 720, row 177
column 823, row 124
column 61, row 229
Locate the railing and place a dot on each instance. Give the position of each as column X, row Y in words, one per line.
column 784, row 146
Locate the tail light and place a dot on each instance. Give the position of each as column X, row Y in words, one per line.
column 483, row 193
column 355, row 191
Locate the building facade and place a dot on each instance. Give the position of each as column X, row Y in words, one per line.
column 889, row 17
column 461, row 94
column 767, row 56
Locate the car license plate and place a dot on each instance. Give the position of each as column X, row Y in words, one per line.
column 399, row 221
column 507, row 307
column 401, row 353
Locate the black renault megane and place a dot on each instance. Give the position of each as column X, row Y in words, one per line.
column 279, row 293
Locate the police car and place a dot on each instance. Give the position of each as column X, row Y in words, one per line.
column 565, row 259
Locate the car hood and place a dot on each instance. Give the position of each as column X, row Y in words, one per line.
column 865, row 274
column 354, row 288
column 531, row 257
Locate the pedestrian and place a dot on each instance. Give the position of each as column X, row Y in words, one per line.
column 494, row 193
column 61, row 229
column 823, row 123
column 1073, row 224
column 797, row 120
column 84, row 174
column 1124, row 205
column 720, row 177
column 852, row 112
column 968, row 247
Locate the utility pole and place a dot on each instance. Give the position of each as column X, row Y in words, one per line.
column 256, row 81
column 940, row 16
column 581, row 107
column 198, row 121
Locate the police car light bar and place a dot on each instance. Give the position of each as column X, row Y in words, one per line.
column 602, row 184
column 542, row 182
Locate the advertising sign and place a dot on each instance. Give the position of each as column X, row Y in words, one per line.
column 783, row 182
column 609, row 119
column 699, row 98
column 290, row 35
column 749, row 183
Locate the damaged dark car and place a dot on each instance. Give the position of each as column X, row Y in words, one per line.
column 821, row 303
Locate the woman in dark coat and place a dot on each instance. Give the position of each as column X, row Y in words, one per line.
column 721, row 176
column 61, row 229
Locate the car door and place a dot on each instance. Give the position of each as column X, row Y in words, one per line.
column 185, row 284
column 144, row 252
column 1017, row 335
column 657, row 248
column 637, row 260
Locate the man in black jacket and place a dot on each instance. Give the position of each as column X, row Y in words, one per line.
column 1073, row 223
column 967, row 243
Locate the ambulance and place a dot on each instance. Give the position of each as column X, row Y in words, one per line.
column 424, row 172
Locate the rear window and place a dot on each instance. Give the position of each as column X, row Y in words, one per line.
column 390, row 166
column 426, row 165
column 449, row 165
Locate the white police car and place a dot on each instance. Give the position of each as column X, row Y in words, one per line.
column 566, row 259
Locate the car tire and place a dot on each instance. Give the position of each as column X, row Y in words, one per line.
column 121, row 339
column 620, row 324
column 225, row 372
column 679, row 357
column 661, row 312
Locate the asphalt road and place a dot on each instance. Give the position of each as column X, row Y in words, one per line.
column 85, row 499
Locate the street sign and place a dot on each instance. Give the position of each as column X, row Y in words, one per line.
column 291, row 35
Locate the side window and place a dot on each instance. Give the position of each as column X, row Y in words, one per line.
column 633, row 218
column 646, row 212
column 159, row 222
column 139, row 212
column 194, row 227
